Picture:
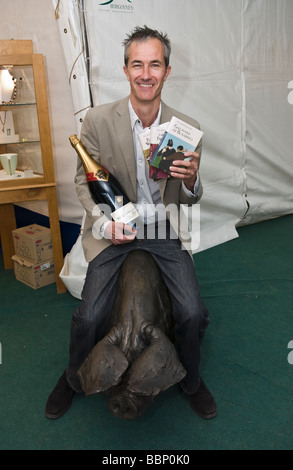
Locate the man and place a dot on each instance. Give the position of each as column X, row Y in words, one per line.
column 110, row 134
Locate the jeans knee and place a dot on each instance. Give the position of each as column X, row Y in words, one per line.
column 192, row 317
column 84, row 317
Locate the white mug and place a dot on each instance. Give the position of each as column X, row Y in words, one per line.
column 9, row 162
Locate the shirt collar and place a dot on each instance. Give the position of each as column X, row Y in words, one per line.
column 134, row 118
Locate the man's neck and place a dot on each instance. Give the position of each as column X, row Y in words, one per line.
column 147, row 112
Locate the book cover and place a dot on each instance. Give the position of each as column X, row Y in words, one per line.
column 149, row 140
column 178, row 138
column 144, row 140
column 157, row 133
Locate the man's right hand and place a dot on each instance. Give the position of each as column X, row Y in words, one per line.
column 119, row 233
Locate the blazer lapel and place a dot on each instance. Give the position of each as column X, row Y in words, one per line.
column 124, row 135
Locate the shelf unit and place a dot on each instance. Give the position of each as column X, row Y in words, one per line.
column 30, row 139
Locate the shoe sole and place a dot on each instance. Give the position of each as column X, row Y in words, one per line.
column 210, row 416
column 55, row 416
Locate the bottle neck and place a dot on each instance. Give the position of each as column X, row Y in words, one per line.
column 93, row 170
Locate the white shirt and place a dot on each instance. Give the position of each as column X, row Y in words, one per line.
column 148, row 194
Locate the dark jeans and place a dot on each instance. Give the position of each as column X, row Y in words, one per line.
column 89, row 321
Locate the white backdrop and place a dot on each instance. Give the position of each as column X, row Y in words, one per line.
column 232, row 65
column 232, row 70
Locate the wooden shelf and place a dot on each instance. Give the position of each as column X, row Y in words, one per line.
column 19, row 54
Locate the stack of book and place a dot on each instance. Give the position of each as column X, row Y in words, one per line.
column 163, row 144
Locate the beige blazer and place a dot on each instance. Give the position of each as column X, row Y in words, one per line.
column 106, row 134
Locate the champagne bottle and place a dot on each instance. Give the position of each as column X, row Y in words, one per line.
column 104, row 188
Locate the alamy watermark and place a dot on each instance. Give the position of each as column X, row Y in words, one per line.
column 184, row 220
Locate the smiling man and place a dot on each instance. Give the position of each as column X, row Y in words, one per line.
column 110, row 134
column 146, row 71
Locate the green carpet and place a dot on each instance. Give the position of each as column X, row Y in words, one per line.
column 247, row 286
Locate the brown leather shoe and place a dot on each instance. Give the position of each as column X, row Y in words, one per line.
column 60, row 399
column 203, row 403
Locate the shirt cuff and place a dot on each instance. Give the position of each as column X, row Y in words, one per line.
column 195, row 189
column 103, row 228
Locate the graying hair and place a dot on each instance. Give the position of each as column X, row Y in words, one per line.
column 144, row 33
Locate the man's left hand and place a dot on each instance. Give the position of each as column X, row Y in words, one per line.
column 186, row 170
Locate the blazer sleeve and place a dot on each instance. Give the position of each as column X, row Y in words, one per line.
column 90, row 140
column 185, row 199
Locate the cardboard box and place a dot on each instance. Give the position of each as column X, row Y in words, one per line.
column 33, row 243
column 35, row 275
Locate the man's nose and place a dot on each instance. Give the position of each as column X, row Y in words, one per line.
column 145, row 73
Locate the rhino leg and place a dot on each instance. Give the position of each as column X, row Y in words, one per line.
column 157, row 368
column 104, row 366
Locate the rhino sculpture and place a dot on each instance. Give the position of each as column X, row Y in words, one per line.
column 136, row 359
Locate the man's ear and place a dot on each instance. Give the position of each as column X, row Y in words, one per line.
column 168, row 71
column 126, row 71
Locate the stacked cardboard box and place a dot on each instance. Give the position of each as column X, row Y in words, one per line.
column 33, row 259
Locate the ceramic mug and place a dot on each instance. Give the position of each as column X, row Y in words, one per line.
column 9, row 162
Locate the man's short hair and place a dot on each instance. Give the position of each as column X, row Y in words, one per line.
column 144, row 33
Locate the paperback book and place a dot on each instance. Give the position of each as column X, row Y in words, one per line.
column 177, row 139
column 149, row 140
column 144, row 140
column 157, row 133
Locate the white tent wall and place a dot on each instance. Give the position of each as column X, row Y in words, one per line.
column 268, row 67
column 232, row 65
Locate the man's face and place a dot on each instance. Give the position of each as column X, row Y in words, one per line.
column 146, row 71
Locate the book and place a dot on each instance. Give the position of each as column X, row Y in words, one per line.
column 144, row 140
column 178, row 138
column 157, row 133
column 149, row 140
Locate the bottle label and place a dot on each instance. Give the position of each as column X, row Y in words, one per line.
column 125, row 214
column 100, row 175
